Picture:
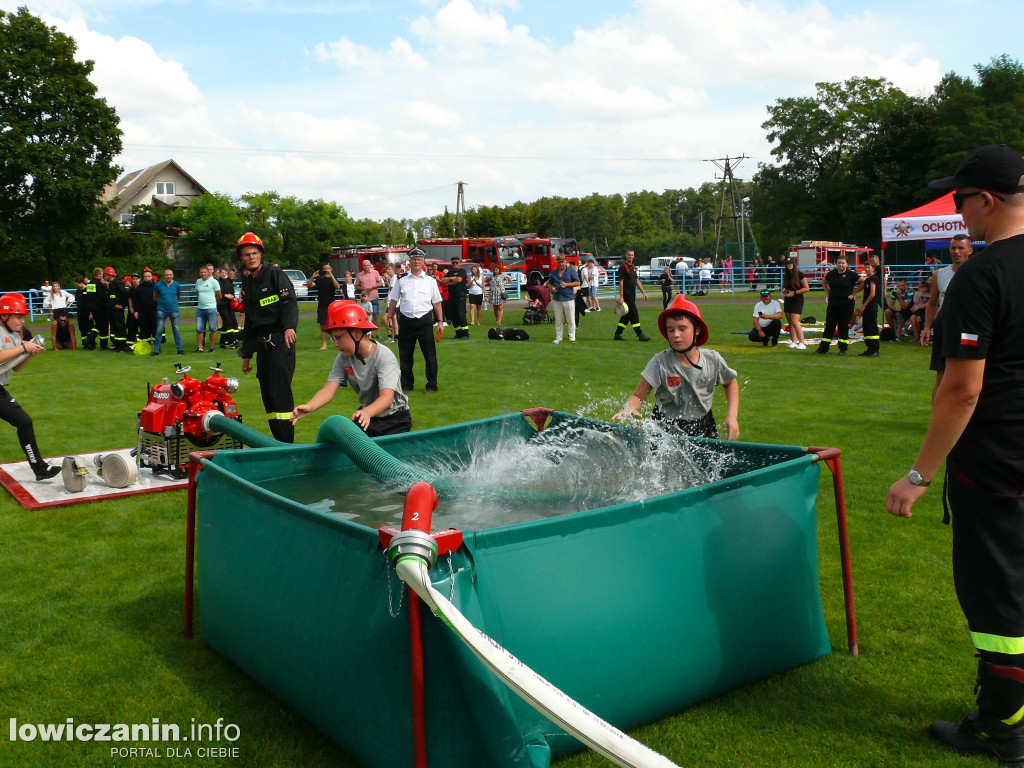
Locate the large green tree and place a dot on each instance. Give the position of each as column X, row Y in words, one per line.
column 58, row 141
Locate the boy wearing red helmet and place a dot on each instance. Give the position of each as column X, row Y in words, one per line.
column 369, row 368
column 683, row 377
column 12, row 346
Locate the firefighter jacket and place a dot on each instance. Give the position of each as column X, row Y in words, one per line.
column 96, row 294
column 270, row 303
column 117, row 294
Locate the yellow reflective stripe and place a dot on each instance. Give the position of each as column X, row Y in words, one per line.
column 287, row 415
column 1015, row 717
column 872, row 337
column 997, row 643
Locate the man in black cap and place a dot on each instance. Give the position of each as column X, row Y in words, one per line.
column 977, row 426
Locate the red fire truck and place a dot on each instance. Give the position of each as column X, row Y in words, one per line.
column 351, row 259
column 485, row 251
column 541, row 253
column 816, row 257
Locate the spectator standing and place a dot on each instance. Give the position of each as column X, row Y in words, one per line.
column 389, row 277
column 271, row 319
column 977, row 426
column 476, row 295
column 665, row 281
column 727, row 272
column 348, row 287
column 455, row 282
column 563, row 280
column 841, row 284
column 167, row 293
column 767, row 320
column 208, row 294
column 228, row 320
column 14, row 345
column 369, row 279
column 415, row 302
column 496, row 283
column 629, row 280
column 794, row 286
column 593, row 278
column 960, row 249
column 326, row 285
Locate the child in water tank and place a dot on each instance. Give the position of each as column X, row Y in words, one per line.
column 683, row 378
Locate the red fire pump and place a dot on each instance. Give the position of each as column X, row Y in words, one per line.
column 171, row 423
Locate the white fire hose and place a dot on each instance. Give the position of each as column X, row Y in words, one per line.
column 551, row 702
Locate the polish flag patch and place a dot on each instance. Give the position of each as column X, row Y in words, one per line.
column 674, row 381
column 349, row 370
column 968, row 339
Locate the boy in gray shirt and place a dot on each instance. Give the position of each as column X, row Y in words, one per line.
column 370, row 369
column 683, row 377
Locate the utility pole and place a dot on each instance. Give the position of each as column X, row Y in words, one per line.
column 460, row 210
column 727, row 176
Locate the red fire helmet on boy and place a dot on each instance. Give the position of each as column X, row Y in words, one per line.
column 347, row 314
column 13, row 304
column 680, row 305
column 249, row 238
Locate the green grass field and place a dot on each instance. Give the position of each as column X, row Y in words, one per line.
column 91, row 595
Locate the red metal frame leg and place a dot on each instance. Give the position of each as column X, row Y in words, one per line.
column 831, row 457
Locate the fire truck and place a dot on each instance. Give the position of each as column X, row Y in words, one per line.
column 541, row 253
column 485, row 251
column 816, row 257
column 351, row 259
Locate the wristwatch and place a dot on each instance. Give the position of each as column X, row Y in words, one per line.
column 915, row 479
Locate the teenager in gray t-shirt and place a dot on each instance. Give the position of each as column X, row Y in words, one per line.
column 370, row 369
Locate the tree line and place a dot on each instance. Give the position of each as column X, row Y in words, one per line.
column 843, row 158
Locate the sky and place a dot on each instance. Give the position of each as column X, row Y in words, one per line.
column 384, row 106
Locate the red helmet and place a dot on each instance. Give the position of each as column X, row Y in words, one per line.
column 237, row 306
column 681, row 305
column 347, row 314
column 110, row 271
column 13, row 304
column 249, row 239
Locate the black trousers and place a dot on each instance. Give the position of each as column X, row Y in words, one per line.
column 118, row 330
column 871, row 336
column 395, row 424
column 771, row 333
column 147, row 324
column 12, row 412
column 228, row 324
column 837, row 318
column 85, row 324
column 456, row 313
column 275, row 366
column 631, row 318
column 410, row 331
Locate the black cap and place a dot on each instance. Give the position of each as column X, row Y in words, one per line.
column 995, row 168
column 766, row 292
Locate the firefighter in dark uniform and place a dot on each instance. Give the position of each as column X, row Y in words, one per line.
column 457, row 282
column 271, row 317
column 117, row 303
column 628, row 282
column 841, row 285
column 131, row 319
column 229, row 323
column 82, row 307
column 869, row 309
column 144, row 306
column 96, row 290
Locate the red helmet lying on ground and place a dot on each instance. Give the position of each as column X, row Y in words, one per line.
column 681, row 305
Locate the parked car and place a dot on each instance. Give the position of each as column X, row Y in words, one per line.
column 299, row 281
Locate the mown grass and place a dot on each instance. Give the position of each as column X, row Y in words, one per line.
column 90, row 595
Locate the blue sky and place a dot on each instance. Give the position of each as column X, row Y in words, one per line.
column 384, row 106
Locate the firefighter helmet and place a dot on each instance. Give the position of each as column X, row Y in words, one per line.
column 13, row 304
column 110, row 271
column 680, row 305
column 249, row 238
column 347, row 314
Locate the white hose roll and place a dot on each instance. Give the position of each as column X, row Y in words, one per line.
column 74, row 473
column 590, row 729
column 116, row 470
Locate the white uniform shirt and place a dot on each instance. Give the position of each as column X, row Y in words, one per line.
column 415, row 295
column 771, row 308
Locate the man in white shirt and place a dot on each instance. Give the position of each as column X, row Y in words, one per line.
column 416, row 301
column 767, row 320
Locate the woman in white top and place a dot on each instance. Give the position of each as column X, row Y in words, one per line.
column 476, row 295
column 59, row 300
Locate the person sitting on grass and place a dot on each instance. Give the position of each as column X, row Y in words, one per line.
column 368, row 367
column 683, row 377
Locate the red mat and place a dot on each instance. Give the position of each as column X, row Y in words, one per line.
column 19, row 480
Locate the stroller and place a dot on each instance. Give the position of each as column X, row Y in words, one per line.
column 536, row 311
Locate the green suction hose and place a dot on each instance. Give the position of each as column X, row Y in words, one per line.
column 216, row 422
